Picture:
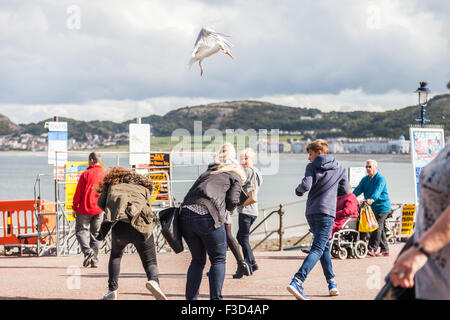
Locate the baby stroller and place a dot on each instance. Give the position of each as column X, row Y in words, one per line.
column 346, row 241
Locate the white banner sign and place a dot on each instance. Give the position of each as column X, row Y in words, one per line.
column 355, row 175
column 139, row 143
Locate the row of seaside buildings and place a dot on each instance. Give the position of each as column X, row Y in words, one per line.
column 340, row 145
column 28, row 142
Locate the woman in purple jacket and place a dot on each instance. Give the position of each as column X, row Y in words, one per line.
column 324, row 178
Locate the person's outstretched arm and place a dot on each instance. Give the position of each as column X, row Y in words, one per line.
column 306, row 183
column 359, row 189
column 412, row 260
column 232, row 197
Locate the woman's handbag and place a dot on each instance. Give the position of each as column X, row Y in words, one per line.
column 169, row 219
column 242, row 197
column 367, row 220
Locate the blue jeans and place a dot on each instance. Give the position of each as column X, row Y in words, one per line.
column 245, row 222
column 201, row 237
column 321, row 226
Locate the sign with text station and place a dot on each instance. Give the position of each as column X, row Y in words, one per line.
column 408, row 213
column 57, row 142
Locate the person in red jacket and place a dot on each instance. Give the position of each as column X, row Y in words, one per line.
column 346, row 206
column 88, row 215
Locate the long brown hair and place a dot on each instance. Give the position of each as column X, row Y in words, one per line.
column 117, row 175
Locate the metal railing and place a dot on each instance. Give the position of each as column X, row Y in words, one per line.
column 281, row 228
column 393, row 224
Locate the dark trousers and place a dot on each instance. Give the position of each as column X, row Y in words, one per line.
column 378, row 237
column 86, row 229
column 243, row 237
column 203, row 238
column 233, row 244
column 123, row 234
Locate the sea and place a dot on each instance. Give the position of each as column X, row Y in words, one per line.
column 19, row 172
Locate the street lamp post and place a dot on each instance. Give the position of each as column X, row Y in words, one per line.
column 423, row 92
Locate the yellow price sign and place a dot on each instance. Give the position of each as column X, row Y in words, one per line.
column 157, row 186
column 408, row 213
column 73, row 171
column 160, row 162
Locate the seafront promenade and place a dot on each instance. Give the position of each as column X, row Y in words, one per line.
column 65, row 278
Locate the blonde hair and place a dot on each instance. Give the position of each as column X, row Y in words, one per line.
column 226, row 160
column 317, row 145
column 226, row 153
column 249, row 152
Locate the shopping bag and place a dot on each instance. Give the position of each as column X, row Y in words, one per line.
column 367, row 220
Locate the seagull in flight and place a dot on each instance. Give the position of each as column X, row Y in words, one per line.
column 208, row 43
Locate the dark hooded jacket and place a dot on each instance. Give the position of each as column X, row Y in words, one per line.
column 217, row 192
column 324, row 178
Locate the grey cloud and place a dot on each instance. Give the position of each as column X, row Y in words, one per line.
column 140, row 49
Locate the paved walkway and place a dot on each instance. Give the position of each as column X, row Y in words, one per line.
column 64, row 278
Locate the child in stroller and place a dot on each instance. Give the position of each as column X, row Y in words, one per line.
column 345, row 237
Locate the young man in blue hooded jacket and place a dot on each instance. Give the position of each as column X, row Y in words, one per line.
column 324, row 179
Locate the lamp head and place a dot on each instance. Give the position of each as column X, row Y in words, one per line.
column 423, row 92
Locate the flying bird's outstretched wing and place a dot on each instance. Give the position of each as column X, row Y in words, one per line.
column 208, row 43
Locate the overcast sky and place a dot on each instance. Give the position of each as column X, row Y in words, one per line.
column 116, row 60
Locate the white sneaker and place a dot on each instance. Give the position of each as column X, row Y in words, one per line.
column 332, row 289
column 154, row 288
column 111, row 295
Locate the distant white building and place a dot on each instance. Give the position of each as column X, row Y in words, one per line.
column 336, row 147
column 376, row 145
column 298, row 147
column 399, row 146
column 366, row 146
column 285, row 147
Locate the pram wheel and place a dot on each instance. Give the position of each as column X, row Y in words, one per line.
column 360, row 249
column 342, row 253
column 392, row 240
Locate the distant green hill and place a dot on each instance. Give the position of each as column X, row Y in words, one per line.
column 7, row 127
column 263, row 115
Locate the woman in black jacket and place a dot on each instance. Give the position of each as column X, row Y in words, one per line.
column 202, row 220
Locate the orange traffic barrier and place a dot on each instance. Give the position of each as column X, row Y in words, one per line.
column 17, row 221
